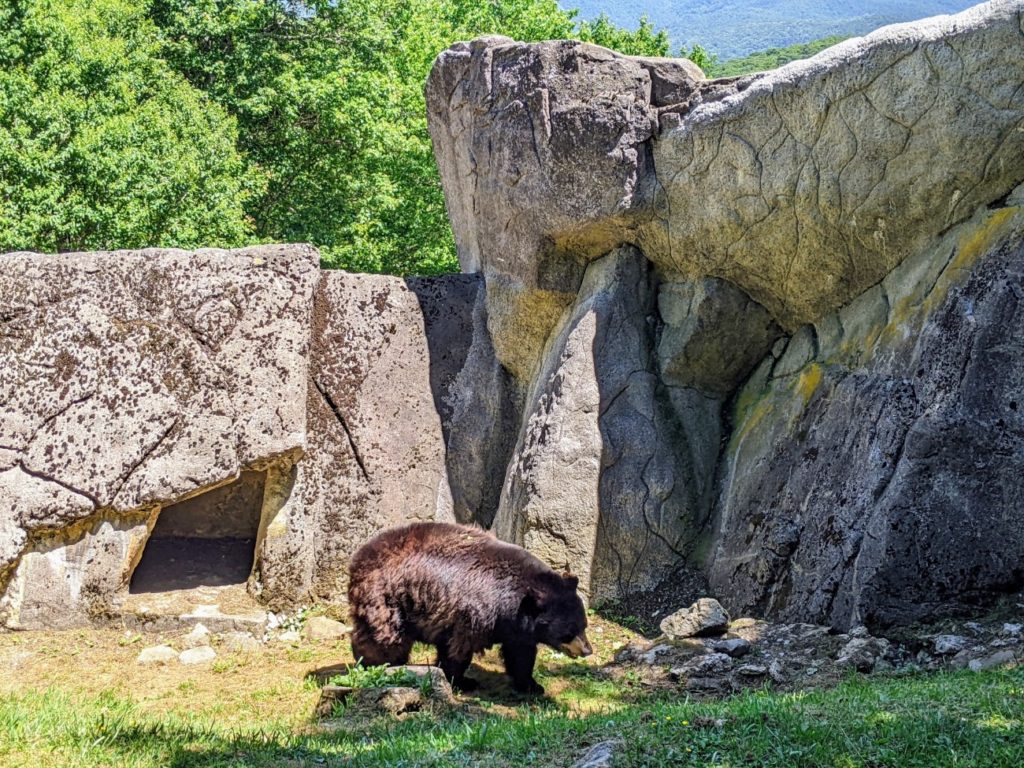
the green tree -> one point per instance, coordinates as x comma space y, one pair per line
702, 58
643, 41
102, 145
761, 61
216, 122
329, 101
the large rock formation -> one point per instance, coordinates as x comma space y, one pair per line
132, 382
646, 237
762, 332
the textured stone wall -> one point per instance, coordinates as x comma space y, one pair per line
132, 381
731, 309
129, 381
874, 472
760, 333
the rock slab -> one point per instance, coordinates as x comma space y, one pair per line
705, 617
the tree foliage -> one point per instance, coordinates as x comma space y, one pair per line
188, 122
102, 144
771, 58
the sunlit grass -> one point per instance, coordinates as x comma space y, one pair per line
959, 719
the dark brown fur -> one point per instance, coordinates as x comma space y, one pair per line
461, 590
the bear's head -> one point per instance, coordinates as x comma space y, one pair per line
555, 613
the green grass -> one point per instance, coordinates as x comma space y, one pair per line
942, 719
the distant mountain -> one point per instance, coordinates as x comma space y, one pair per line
731, 28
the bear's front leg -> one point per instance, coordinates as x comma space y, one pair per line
454, 665
519, 659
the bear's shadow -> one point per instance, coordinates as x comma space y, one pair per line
493, 686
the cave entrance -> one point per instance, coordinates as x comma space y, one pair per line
206, 541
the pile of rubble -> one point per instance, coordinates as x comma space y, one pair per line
703, 650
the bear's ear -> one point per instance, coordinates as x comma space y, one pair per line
529, 606
570, 581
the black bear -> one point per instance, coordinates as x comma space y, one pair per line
461, 590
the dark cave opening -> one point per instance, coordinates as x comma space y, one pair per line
206, 541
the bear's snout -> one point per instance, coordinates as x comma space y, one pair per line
578, 646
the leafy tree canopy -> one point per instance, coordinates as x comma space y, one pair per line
102, 143
770, 58
216, 122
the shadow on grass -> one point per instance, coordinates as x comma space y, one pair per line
922, 721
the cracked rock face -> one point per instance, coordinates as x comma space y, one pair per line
133, 378
817, 179
543, 151
385, 355
880, 482
803, 186
726, 306
598, 483
132, 381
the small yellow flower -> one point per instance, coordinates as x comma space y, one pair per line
686, 722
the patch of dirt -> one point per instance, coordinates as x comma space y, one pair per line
271, 683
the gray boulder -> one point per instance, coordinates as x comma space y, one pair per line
131, 380
997, 659
840, 200
863, 653
543, 154
157, 654
597, 483
869, 453
705, 617
950, 644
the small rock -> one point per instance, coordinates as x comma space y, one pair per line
702, 666
752, 670
291, 636
200, 655
157, 654
993, 660
948, 644
777, 672
631, 651
974, 627
734, 646
859, 631
1002, 642
273, 622
321, 628
705, 617
198, 637
862, 653
400, 701
961, 660
1013, 630
241, 641
651, 656
708, 684
599, 755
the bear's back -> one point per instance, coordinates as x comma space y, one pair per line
426, 564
